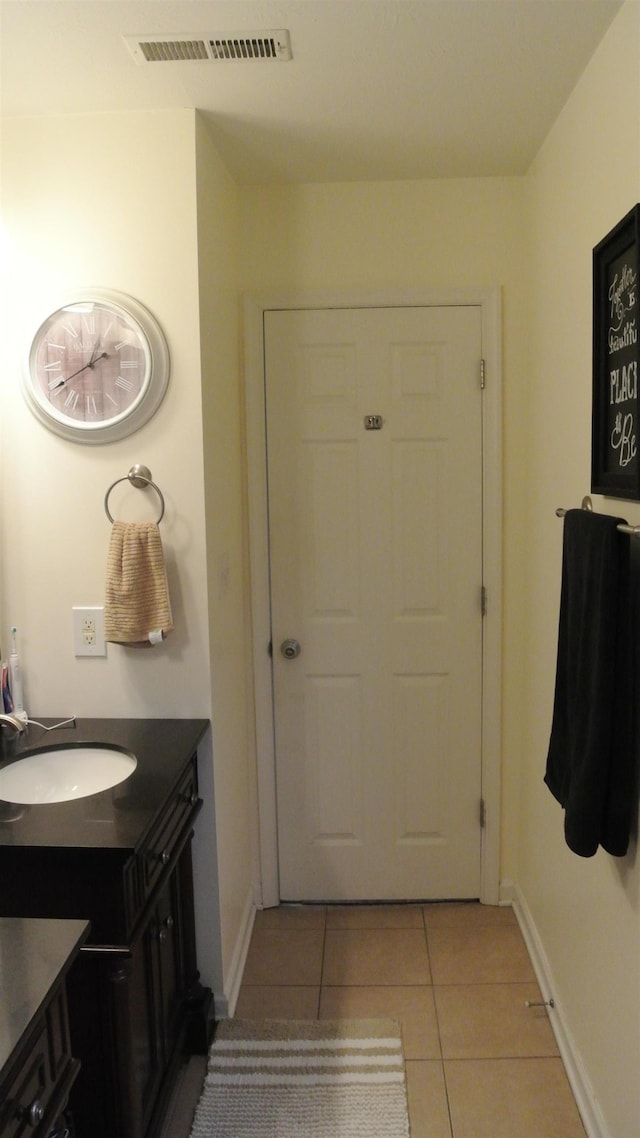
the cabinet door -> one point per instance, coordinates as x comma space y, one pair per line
146, 1066
158, 1005
132, 1012
114, 1025
171, 1009
40, 1076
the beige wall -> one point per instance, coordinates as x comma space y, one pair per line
412, 236
222, 402
93, 201
587, 912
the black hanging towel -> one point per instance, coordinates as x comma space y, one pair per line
590, 760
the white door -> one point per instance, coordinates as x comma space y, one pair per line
374, 441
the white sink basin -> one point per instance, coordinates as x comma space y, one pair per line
58, 774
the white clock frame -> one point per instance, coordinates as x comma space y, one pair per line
158, 367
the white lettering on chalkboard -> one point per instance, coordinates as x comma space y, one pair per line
623, 383
624, 339
623, 439
620, 305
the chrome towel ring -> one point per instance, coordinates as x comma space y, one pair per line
140, 477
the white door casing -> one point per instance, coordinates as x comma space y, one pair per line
255, 308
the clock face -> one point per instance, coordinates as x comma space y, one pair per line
97, 368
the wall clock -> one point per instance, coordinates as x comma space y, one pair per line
97, 368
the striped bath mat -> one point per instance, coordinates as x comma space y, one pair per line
304, 1079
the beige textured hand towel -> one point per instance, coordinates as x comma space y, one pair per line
137, 609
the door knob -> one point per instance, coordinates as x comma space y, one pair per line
290, 649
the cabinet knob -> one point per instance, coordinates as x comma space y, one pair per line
165, 857
165, 927
33, 1114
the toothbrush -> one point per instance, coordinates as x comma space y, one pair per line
15, 676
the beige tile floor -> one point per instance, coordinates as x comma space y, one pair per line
480, 1064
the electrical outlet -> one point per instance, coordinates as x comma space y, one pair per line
88, 631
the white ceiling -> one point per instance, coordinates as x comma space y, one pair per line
376, 89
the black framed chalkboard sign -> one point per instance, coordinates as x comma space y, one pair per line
615, 435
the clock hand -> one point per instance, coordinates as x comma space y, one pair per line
92, 361
94, 356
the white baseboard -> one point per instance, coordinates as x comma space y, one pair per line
592, 1119
225, 1005
507, 892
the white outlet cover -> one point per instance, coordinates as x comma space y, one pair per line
95, 613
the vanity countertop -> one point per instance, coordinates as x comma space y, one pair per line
34, 955
118, 818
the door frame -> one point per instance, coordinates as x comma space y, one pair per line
255, 306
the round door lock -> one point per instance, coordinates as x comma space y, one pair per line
290, 649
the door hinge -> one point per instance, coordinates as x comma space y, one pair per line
483, 814
270, 649
483, 600
483, 375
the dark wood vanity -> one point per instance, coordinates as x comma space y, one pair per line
37, 1066
122, 860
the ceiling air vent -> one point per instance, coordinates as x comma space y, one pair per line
236, 46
